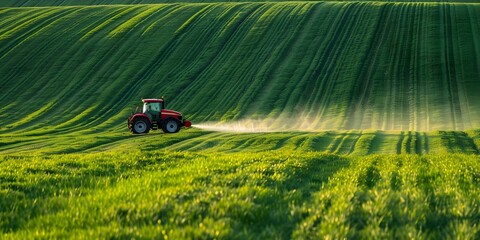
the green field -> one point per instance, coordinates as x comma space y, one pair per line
311, 66
43, 3
312, 120
281, 194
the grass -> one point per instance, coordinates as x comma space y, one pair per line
280, 194
195, 140
308, 65
386, 95
42, 3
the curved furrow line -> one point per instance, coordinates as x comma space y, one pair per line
450, 68
297, 71
273, 75
335, 27
149, 69
255, 142
135, 21
39, 88
425, 117
187, 92
197, 51
141, 17
404, 73
26, 85
226, 38
340, 82
10, 19
248, 81
66, 92
116, 15
21, 21
346, 144
32, 25
288, 26
364, 84
332, 56
309, 58
192, 143
229, 143
389, 78
123, 50
47, 18
355, 142
415, 67
333, 146
223, 65
163, 19
243, 76
332, 97
473, 88
318, 84
462, 48
68, 99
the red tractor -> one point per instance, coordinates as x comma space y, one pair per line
155, 116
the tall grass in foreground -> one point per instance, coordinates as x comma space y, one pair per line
274, 194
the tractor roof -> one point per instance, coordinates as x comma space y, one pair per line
152, 100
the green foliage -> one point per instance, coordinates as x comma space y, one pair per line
279, 194
32, 3
70, 75
326, 65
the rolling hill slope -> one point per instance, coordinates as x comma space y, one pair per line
43, 3
360, 120
313, 66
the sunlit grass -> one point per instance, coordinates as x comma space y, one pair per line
279, 194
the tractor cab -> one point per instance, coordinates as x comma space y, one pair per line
153, 108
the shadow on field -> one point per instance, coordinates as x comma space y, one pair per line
278, 209
34, 187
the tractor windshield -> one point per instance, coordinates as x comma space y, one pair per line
151, 107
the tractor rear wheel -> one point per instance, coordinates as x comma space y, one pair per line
140, 125
171, 126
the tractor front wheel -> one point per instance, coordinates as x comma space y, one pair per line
140, 125
171, 126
